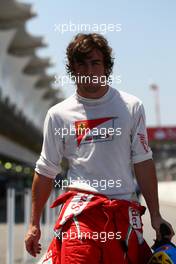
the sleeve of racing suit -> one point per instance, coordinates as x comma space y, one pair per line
51, 155
140, 150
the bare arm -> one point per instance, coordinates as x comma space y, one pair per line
147, 180
146, 177
41, 189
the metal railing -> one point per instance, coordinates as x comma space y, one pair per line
48, 219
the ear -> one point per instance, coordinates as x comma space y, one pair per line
74, 68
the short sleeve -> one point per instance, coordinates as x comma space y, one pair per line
140, 150
51, 155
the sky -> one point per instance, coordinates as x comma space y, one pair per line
144, 49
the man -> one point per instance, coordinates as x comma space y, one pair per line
106, 139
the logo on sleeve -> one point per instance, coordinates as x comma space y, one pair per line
141, 134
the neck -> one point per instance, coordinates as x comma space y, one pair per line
99, 93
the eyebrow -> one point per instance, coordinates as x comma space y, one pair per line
93, 60
97, 60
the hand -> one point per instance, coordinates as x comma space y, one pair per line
156, 221
31, 240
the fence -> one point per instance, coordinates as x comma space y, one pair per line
48, 219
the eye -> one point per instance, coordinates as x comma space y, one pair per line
96, 63
80, 63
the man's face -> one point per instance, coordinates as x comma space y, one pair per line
90, 72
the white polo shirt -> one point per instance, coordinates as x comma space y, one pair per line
101, 138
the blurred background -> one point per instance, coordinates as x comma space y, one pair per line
33, 39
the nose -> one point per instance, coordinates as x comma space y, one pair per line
88, 69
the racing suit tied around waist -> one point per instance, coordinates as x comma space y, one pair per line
123, 215
74, 203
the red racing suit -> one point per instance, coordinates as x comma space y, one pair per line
91, 228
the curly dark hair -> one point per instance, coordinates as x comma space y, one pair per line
83, 44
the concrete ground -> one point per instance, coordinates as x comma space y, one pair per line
20, 254
168, 212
